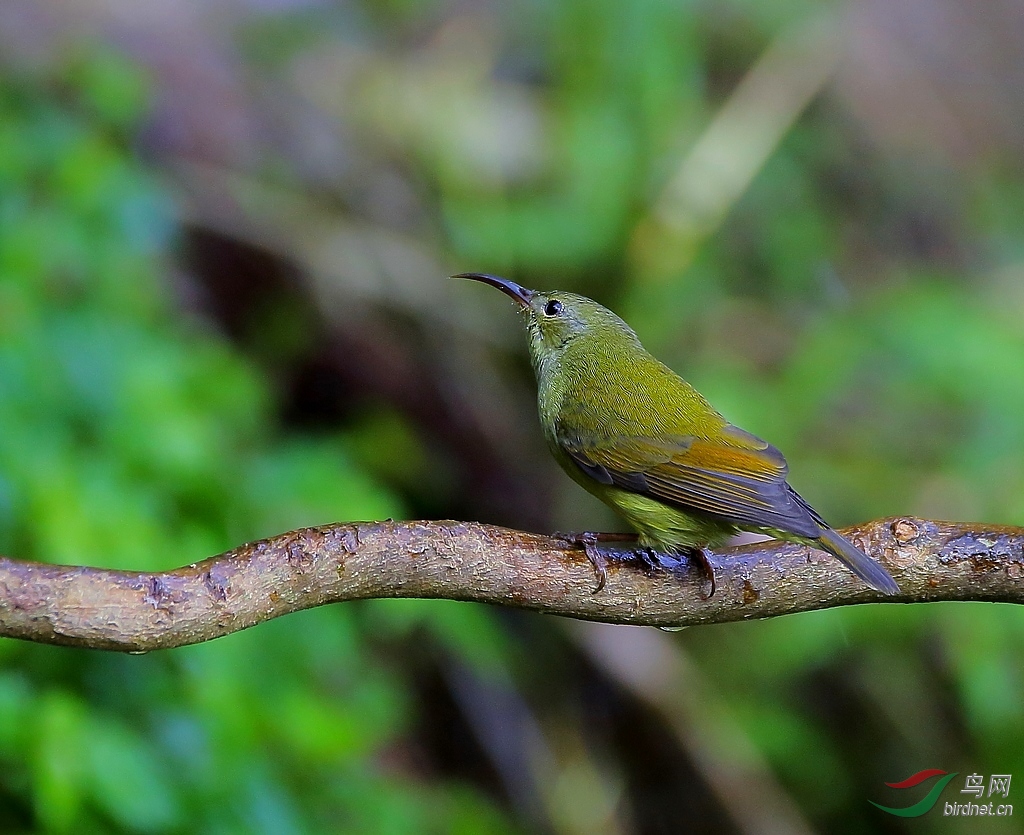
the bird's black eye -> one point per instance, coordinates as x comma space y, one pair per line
553, 308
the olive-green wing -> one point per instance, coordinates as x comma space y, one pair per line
736, 476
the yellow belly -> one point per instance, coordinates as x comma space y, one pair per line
661, 526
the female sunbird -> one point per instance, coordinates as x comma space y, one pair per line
646, 443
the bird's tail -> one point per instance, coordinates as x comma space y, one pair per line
858, 562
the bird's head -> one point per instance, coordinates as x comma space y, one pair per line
554, 318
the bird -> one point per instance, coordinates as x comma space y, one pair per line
633, 433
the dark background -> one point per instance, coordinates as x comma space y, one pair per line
224, 234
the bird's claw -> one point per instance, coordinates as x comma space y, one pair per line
589, 541
597, 559
702, 556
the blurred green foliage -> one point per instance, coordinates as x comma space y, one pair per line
860, 308
133, 437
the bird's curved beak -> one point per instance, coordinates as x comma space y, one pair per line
509, 288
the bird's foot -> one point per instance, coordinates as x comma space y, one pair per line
649, 558
702, 556
590, 541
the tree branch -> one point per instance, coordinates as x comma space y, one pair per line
138, 612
